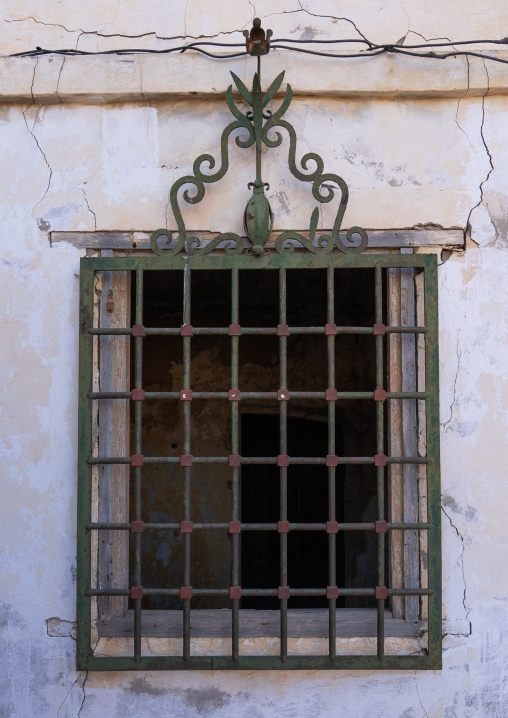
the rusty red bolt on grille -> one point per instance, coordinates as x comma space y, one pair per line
379, 395
136, 592
330, 330
381, 527
380, 460
186, 330
283, 527
137, 527
381, 592
138, 330
186, 460
283, 592
234, 395
332, 592
186, 394
282, 330
186, 592
234, 527
379, 330
283, 460
235, 460
235, 330
235, 592
332, 527
186, 527
137, 460
283, 395
331, 460
137, 395
331, 395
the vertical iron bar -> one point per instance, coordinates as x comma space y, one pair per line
186, 450
380, 470
283, 470
138, 408
235, 498
332, 538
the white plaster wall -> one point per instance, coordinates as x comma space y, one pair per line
110, 166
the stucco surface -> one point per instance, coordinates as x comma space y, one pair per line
110, 166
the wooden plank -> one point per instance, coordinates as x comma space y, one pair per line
395, 486
94, 513
114, 440
378, 239
409, 441
217, 623
422, 442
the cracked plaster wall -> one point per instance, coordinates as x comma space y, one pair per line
112, 24
86, 167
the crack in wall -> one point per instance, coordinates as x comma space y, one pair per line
84, 695
346, 19
254, 13
90, 209
459, 101
114, 16
429, 39
104, 143
331, 17
31, 131
482, 184
40, 22
420, 698
461, 558
68, 693
454, 393
407, 19
99, 33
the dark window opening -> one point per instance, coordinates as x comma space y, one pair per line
307, 503
259, 366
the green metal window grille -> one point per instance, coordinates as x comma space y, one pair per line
142, 266
229, 254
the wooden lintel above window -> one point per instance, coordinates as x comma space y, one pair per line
451, 239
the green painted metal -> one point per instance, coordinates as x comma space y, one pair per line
258, 218
86, 585
83, 606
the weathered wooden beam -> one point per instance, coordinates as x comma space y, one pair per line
208, 623
114, 440
378, 238
409, 441
422, 442
395, 492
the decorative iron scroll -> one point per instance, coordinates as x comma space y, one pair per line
258, 218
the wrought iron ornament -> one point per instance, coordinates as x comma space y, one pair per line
258, 218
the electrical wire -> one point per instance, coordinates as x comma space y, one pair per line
372, 49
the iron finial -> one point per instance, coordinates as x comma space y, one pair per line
257, 41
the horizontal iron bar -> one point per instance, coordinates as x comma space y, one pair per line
293, 460
262, 527
176, 331
260, 592
259, 395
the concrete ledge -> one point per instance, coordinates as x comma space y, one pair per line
111, 78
